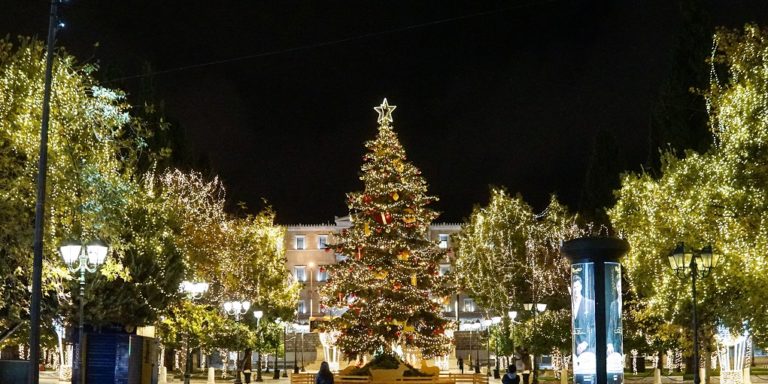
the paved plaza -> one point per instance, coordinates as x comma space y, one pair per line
51, 378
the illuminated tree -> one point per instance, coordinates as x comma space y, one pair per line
252, 265
718, 197
240, 258
93, 147
389, 278
508, 255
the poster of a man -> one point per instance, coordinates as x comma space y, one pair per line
613, 331
583, 312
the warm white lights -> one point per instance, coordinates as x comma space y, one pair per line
87, 258
236, 308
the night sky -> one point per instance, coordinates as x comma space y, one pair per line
276, 97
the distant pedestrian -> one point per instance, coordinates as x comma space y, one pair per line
511, 376
525, 357
324, 375
461, 365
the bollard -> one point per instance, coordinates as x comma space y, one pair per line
163, 376
211, 375
564, 376
657, 376
747, 376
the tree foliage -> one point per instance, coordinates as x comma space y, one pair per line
93, 146
162, 227
718, 197
507, 255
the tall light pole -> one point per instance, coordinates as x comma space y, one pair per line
237, 308
33, 375
82, 259
194, 291
685, 262
258, 315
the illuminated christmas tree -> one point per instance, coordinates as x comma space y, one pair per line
388, 282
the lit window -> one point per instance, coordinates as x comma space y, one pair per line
444, 269
299, 272
300, 242
469, 305
322, 273
322, 241
443, 239
302, 306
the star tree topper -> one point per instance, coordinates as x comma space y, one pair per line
385, 112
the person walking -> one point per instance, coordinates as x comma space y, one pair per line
525, 357
511, 376
461, 365
324, 375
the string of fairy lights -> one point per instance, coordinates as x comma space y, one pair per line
508, 234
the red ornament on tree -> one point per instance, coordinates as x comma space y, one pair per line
367, 199
382, 217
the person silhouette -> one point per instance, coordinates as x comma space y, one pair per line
324, 375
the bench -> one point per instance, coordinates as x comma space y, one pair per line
302, 378
350, 379
468, 378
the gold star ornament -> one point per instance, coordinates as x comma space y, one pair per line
385, 112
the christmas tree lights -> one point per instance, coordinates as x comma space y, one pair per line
389, 282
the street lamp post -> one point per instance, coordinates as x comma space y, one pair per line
311, 295
302, 351
487, 325
512, 316
258, 315
495, 321
685, 262
237, 308
33, 375
279, 322
538, 307
285, 348
194, 291
81, 259
295, 348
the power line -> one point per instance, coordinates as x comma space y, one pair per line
325, 43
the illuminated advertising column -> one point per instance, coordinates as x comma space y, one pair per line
598, 353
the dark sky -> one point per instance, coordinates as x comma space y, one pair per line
507, 93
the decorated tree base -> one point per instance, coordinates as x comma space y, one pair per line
386, 365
